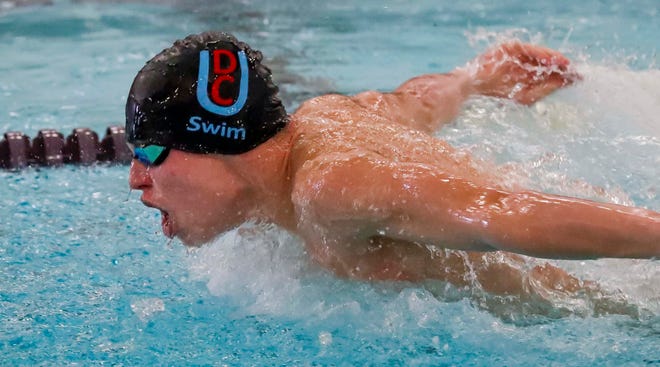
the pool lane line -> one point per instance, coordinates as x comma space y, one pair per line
50, 148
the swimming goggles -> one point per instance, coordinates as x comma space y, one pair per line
150, 155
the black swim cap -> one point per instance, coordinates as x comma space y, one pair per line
208, 93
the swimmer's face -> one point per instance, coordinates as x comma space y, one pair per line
199, 196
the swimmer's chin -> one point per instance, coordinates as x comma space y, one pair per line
191, 237
191, 243
194, 241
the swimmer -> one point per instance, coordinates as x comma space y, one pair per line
361, 179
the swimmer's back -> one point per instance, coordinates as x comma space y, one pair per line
336, 127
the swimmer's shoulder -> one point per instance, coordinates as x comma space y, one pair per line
334, 99
324, 103
337, 108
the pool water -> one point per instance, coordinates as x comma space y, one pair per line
86, 277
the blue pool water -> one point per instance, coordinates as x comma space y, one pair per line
86, 277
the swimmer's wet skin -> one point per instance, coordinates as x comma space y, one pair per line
214, 148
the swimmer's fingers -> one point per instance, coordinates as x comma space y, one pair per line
542, 61
522, 72
529, 54
536, 55
539, 87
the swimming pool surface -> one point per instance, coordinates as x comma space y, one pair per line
86, 277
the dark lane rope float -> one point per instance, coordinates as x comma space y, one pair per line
50, 149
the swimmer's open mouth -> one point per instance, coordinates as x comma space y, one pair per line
165, 220
166, 224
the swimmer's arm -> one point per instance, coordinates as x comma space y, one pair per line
522, 72
413, 203
423, 103
552, 226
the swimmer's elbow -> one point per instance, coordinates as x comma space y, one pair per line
511, 222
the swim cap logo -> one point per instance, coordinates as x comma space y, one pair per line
216, 103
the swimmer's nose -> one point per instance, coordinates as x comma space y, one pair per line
138, 176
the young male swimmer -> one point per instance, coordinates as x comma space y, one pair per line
361, 179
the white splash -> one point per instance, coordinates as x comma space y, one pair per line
146, 308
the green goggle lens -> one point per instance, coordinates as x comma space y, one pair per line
150, 155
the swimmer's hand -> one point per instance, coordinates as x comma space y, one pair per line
519, 71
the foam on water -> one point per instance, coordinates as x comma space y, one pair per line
264, 271
618, 93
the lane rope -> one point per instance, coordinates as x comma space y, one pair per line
49, 148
